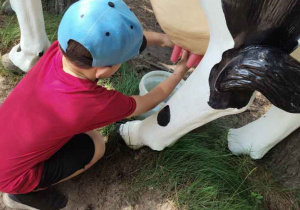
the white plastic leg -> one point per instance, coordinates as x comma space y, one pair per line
188, 107
34, 40
258, 137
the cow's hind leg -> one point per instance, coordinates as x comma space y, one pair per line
258, 137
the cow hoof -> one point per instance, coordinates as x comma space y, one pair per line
127, 132
241, 145
8, 65
6, 8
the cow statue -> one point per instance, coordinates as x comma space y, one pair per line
34, 41
248, 51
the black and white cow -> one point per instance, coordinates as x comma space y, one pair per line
249, 50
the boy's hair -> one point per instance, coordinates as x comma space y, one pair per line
78, 55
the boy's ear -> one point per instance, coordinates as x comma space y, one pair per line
101, 71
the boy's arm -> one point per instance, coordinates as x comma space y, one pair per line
162, 91
158, 39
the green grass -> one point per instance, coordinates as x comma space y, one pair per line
201, 174
9, 33
51, 24
124, 80
198, 172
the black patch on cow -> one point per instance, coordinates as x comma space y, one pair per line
274, 23
269, 70
164, 116
265, 33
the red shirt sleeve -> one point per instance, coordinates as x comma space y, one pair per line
111, 106
119, 106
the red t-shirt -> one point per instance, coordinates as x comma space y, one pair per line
43, 112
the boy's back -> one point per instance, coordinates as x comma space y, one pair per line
55, 101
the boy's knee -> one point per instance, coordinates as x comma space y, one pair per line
99, 146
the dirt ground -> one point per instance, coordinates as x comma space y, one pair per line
107, 185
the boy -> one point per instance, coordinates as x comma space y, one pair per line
48, 120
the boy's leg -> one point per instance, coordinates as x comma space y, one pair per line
99, 149
79, 154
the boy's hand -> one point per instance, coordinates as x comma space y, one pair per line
163, 90
193, 60
167, 42
181, 67
158, 39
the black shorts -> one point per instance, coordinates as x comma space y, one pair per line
73, 156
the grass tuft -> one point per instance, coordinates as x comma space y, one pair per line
202, 173
9, 33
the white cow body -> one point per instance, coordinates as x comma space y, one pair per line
189, 107
258, 137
